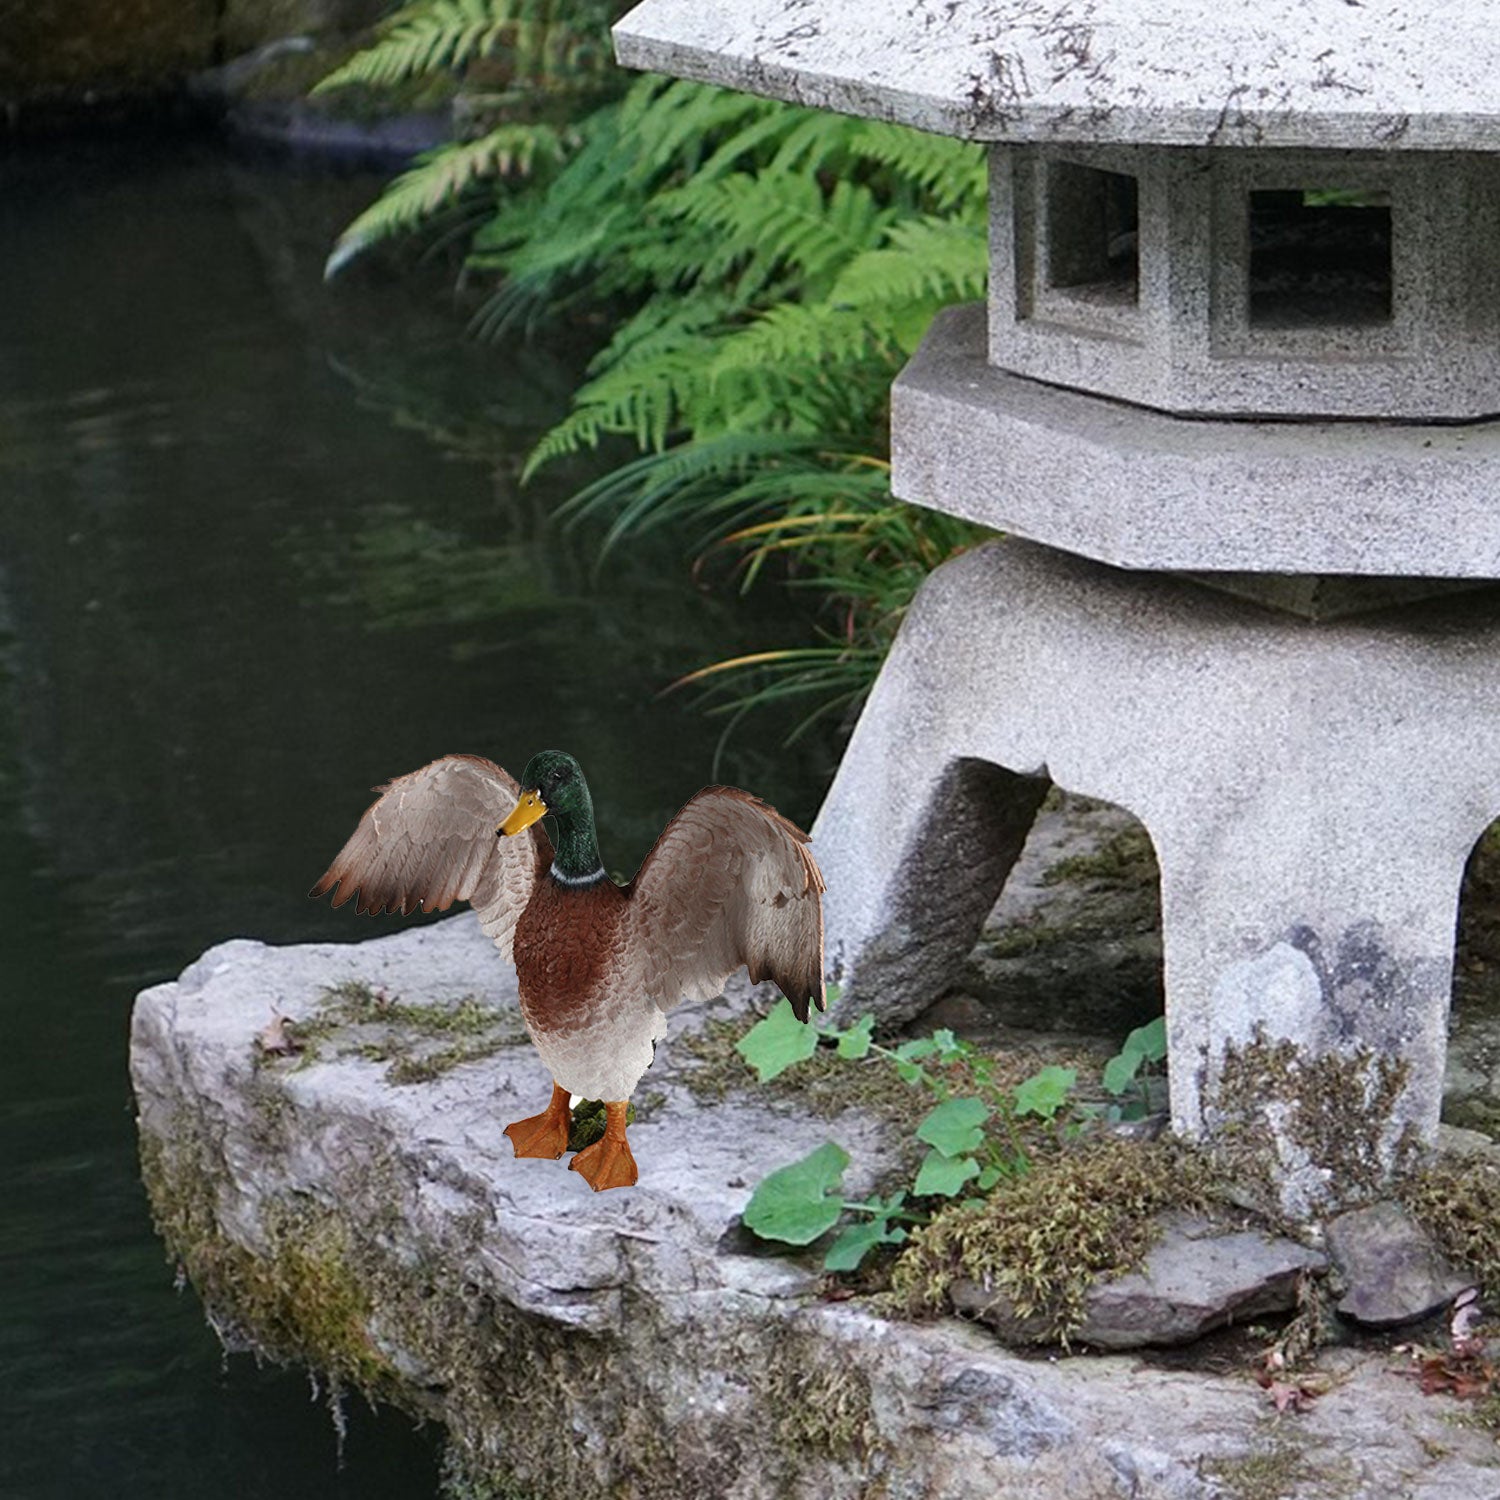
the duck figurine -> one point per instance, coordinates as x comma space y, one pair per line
730, 884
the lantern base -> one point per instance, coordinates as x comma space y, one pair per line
1313, 791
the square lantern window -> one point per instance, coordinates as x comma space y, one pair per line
1319, 258
1077, 255
1093, 227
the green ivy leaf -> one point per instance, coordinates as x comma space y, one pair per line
797, 1203
855, 1042
851, 1247
909, 1072
954, 1127
989, 1177
1120, 1070
1149, 1040
772, 1045
918, 1046
942, 1176
1045, 1092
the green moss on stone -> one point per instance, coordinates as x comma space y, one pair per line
1458, 1202
820, 1404
1043, 1239
1126, 859
356, 1019
300, 1300
1333, 1108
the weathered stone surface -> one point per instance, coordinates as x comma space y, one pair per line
1196, 1278
1141, 489
609, 1343
1073, 945
1311, 819
1283, 73
1392, 1270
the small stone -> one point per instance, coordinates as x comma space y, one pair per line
1195, 1279
1393, 1271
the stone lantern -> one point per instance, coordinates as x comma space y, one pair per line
1235, 389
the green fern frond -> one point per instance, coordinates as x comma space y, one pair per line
539, 39
953, 174
928, 261
800, 336
440, 178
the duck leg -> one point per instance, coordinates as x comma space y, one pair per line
545, 1134
608, 1162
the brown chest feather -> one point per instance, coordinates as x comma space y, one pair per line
567, 941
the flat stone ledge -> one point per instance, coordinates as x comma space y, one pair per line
690, 1369
1139, 489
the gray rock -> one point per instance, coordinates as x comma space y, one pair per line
1195, 1279
612, 1343
1392, 1271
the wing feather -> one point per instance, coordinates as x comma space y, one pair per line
729, 884
430, 839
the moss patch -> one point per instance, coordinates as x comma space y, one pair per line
1458, 1202
825, 1085
1273, 1471
419, 1041
820, 1405
300, 1301
1336, 1109
1042, 1240
1126, 860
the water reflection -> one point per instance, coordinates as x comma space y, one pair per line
241, 581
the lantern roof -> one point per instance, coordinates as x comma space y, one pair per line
1361, 74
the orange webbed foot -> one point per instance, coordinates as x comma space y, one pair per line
608, 1162
546, 1134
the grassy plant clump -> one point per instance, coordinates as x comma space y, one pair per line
1458, 1202
1044, 1238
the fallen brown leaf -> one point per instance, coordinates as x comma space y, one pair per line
276, 1037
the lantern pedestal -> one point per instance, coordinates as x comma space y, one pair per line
1313, 791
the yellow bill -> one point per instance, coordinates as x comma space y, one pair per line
524, 813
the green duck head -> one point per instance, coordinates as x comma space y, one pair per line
553, 783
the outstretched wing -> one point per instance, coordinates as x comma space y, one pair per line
432, 839
730, 883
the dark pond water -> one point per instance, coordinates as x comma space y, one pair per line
259, 549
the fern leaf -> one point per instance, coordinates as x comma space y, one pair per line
543, 39
953, 174
923, 260
440, 178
